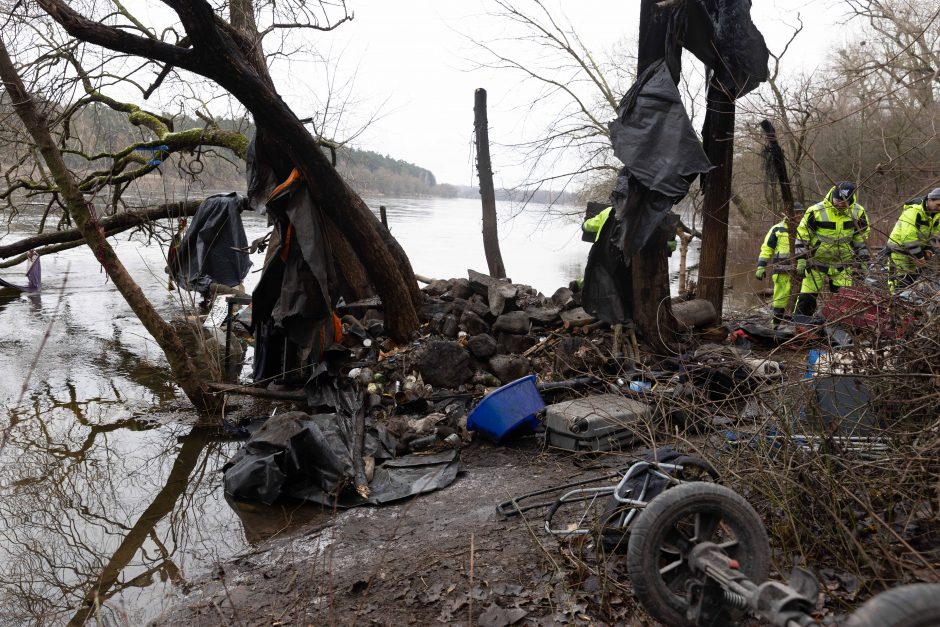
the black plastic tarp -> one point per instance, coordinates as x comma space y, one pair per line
207, 254
662, 155
654, 138
307, 457
723, 36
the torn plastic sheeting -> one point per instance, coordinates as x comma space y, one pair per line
654, 138
205, 255
639, 212
607, 290
292, 300
723, 37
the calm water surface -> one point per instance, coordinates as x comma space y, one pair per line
103, 485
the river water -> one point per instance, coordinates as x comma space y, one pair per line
103, 486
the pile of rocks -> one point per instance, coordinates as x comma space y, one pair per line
484, 329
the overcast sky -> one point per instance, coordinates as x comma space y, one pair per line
412, 62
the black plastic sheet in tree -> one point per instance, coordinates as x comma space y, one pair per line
207, 252
292, 303
654, 138
723, 37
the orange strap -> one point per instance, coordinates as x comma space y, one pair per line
280, 189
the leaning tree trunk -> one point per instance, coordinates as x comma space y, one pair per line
184, 371
111, 226
494, 260
715, 205
786, 194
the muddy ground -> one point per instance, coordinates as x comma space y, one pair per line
441, 558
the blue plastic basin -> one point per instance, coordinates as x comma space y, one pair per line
508, 409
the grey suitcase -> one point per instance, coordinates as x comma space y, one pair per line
605, 422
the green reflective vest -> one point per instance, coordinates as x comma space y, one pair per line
595, 224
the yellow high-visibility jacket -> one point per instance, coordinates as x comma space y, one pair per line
776, 248
829, 237
595, 224
913, 234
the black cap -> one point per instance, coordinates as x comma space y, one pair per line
844, 190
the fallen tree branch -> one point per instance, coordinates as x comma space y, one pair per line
112, 225
245, 390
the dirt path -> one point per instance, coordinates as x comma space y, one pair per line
445, 557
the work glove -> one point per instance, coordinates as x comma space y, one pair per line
801, 267
761, 272
671, 246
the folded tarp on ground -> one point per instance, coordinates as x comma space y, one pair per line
207, 254
306, 457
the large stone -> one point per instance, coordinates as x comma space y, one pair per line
501, 298
445, 364
513, 322
543, 315
473, 324
428, 310
516, 344
478, 305
509, 367
480, 283
563, 297
577, 317
449, 327
437, 288
482, 346
461, 289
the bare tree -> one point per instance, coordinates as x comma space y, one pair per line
581, 87
229, 53
191, 380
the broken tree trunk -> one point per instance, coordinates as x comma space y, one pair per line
786, 194
184, 371
715, 207
494, 260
